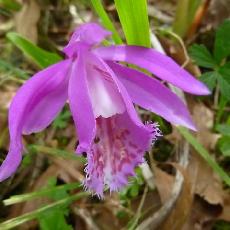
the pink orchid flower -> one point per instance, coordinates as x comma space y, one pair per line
101, 92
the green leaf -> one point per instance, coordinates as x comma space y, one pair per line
134, 20
224, 87
10, 5
53, 219
224, 71
225, 148
107, 23
134, 190
41, 57
205, 154
224, 145
221, 107
222, 41
224, 129
202, 56
210, 79
61, 121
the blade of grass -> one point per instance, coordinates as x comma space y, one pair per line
40, 56
107, 23
43, 192
6, 66
12, 223
204, 154
185, 12
134, 20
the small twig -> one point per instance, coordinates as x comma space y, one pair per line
85, 215
68, 166
118, 205
181, 42
147, 174
155, 13
138, 214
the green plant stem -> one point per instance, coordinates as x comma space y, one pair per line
56, 152
9, 224
43, 192
185, 13
204, 154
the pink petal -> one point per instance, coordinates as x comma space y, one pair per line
80, 104
105, 97
49, 96
12, 161
89, 34
104, 158
122, 90
31, 111
119, 148
152, 95
155, 62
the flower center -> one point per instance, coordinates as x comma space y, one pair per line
105, 97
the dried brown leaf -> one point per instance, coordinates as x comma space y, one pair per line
164, 183
211, 200
27, 18
6, 95
181, 211
208, 184
204, 119
225, 215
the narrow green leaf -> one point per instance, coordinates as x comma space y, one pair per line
205, 154
185, 12
6, 66
12, 223
107, 23
134, 20
41, 57
56, 152
43, 192
201, 55
222, 41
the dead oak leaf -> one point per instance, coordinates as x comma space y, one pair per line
27, 18
203, 117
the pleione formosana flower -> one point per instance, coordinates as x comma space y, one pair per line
101, 93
